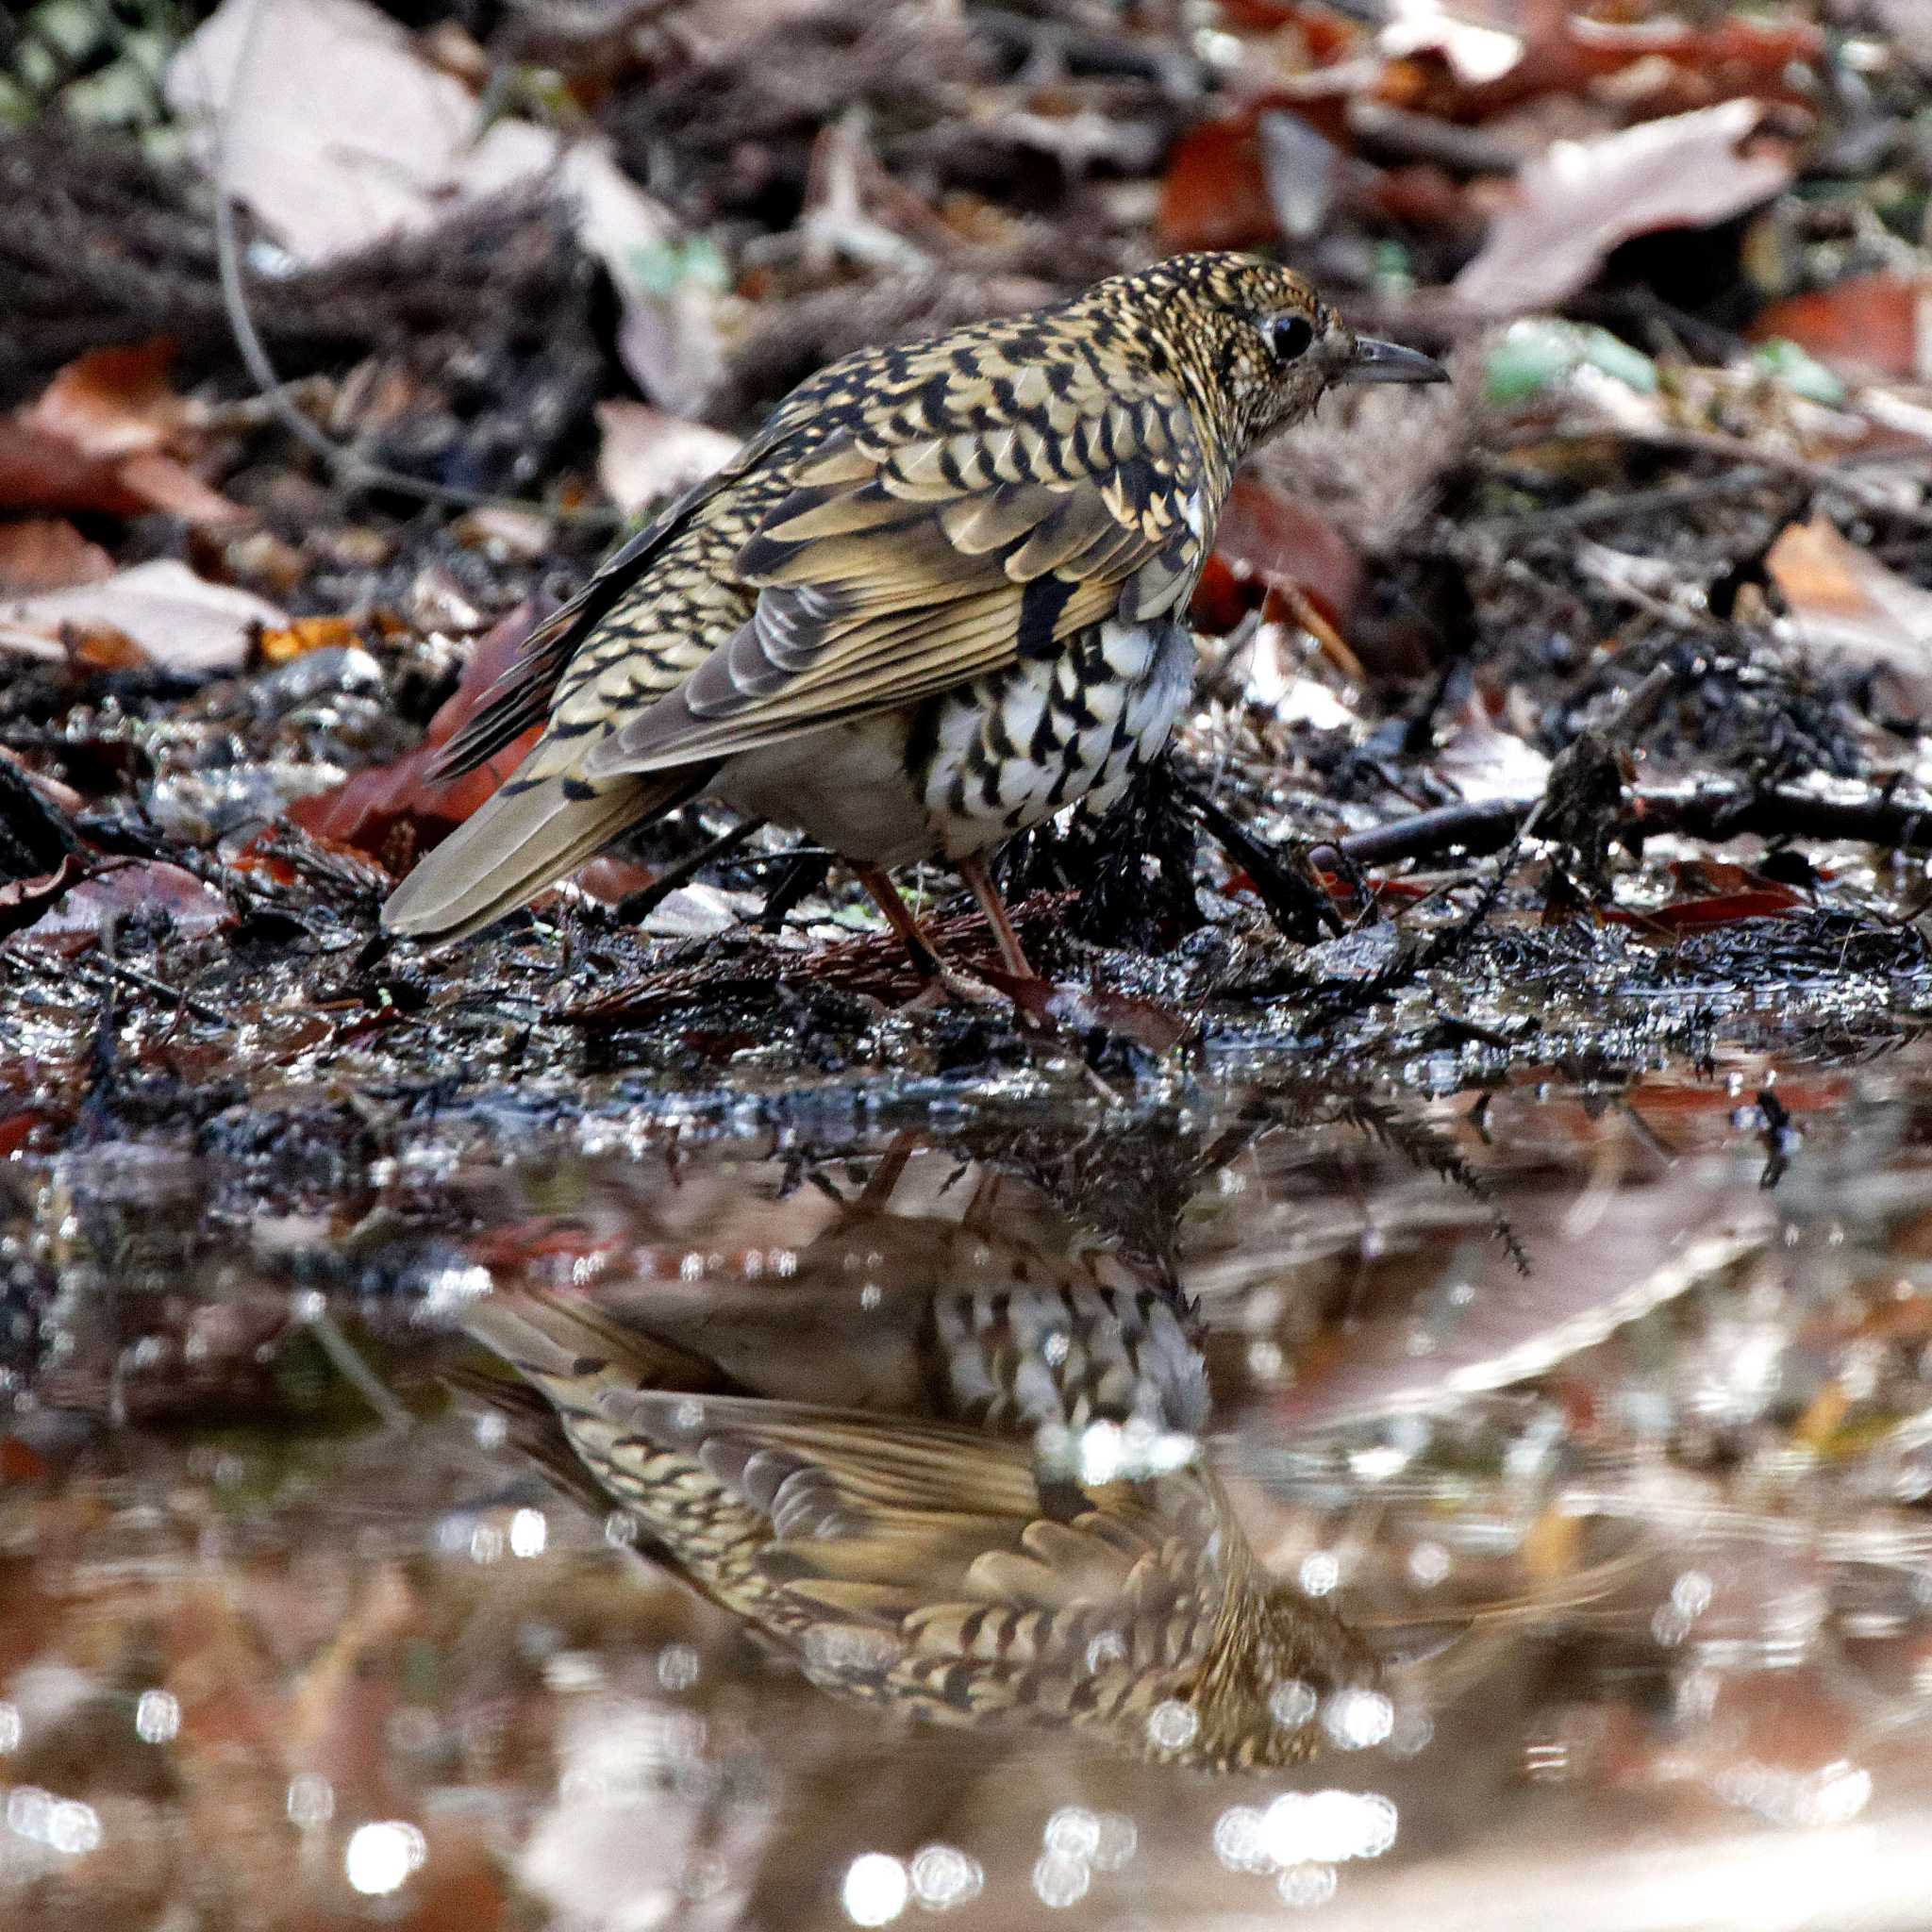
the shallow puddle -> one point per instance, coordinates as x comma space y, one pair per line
1484, 1511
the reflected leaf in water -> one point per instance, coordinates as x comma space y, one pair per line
1016, 1522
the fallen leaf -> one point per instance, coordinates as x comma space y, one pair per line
112, 403
1594, 1272
1845, 602
88, 909
1656, 67
48, 554
397, 810
21, 900
1266, 538
304, 635
327, 121
1877, 325
1483, 761
1215, 192
177, 620
333, 128
1712, 892
1580, 198
647, 456
43, 472
162, 483
107, 434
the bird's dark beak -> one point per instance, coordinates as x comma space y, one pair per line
1379, 361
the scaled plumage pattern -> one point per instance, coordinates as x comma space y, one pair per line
938, 597
984, 1501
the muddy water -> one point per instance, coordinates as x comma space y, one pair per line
1474, 1511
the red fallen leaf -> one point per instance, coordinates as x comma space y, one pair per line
1343, 890
1215, 192
613, 880
1221, 599
1267, 538
1878, 325
1725, 909
48, 554
1704, 875
1340, 890
1568, 54
42, 472
1717, 893
19, 1463
397, 810
107, 433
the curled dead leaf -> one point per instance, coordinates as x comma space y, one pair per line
1579, 199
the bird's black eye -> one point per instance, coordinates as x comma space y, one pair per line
1289, 336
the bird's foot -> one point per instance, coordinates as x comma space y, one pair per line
1143, 1023
948, 983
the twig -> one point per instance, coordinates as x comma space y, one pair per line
1841, 476
1661, 501
355, 1370
1714, 811
352, 471
94, 973
638, 906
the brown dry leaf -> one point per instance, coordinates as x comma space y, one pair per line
332, 126
179, 621
112, 403
86, 910
1843, 601
1581, 198
107, 434
647, 454
48, 554
1880, 325
304, 635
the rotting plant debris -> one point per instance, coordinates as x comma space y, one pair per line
1637, 524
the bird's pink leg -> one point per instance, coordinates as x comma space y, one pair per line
1015, 959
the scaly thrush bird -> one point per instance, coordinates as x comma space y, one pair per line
938, 596
981, 1495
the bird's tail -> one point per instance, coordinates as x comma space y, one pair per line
526, 837
573, 1350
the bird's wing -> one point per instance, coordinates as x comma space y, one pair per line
521, 698
978, 500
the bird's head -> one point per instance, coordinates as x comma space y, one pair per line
1262, 346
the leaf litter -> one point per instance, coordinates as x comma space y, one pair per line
1537, 884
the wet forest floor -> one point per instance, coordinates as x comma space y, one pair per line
1504, 1005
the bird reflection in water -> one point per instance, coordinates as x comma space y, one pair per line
1007, 1516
